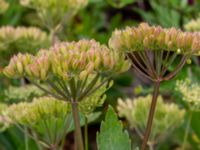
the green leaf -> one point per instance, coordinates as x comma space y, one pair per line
120, 3
112, 136
195, 123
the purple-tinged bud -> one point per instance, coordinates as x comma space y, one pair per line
126, 65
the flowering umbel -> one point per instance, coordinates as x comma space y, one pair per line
145, 37
73, 70
54, 12
68, 60
21, 39
41, 115
190, 92
193, 25
16, 94
167, 116
152, 51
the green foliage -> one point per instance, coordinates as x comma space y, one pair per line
112, 136
120, 3
168, 13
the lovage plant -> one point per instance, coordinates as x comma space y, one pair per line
73, 70
153, 50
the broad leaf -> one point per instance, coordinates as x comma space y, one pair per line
112, 136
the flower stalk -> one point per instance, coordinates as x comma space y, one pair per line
78, 133
152, 50
151, 114
187, 130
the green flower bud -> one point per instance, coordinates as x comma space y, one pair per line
9, 72
190, 93
19, 67
167, 116
193, 25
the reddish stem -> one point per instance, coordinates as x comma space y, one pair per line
151, 114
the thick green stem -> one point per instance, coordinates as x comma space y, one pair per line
86, 133
151, 114
78, 134
187, 131
26, 139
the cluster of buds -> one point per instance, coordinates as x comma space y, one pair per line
145, 37
136, 112
95, 100
68, 60
190, 93
18, 65
41, 115
14, 40
55, 10
193, 25
4, 120
34, 113
3, 6
25, 93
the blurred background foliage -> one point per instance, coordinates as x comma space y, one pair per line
97, 21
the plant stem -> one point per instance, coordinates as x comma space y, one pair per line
86, 133
187, 130
26, 139
78, 134
151, 146
151, 114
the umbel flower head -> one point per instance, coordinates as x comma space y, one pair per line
42, 115
145, 37
167, 116
74, 62
54, 12
20, 39
193, 25
25, 93
190, 93
3, 6
153, 49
